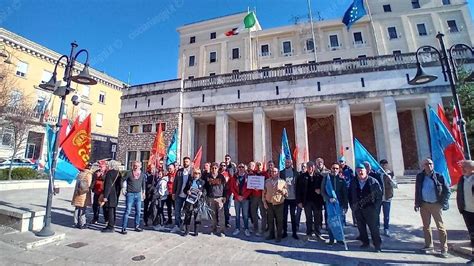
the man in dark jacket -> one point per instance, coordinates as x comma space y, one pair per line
365, 197
431, 197
112, 187
179, 196
290, 175
465, 199
308, 196
339, 191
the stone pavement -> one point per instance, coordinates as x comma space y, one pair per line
90, 246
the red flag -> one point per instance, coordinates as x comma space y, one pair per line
77, 145
443, 117
197, 158
158, 150
341, 150
295, 153
454, 156
305, 155
456, 129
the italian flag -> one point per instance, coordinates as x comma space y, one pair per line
248, 22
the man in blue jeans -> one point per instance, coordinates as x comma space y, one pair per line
134, 191
178, 195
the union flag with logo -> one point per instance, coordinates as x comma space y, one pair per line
77, 145
158, 150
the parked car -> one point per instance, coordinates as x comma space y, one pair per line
17, 162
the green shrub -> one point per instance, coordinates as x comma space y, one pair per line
21, 173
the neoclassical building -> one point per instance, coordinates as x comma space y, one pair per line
236, 94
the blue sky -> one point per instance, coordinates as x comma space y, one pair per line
139, 37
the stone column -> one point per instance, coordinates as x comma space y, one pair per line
393, 142
421, 133
268, 139
224, 57
232, 141
301, 133
379, 136
187, 136
259, 135
202, 140
344, 131
222, 134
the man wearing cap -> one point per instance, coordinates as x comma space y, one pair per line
365, 198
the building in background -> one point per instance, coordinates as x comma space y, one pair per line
236, 94
33, 64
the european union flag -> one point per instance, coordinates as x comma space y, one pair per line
355, 12
285, 151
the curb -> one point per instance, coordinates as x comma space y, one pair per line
32, 184
464, 249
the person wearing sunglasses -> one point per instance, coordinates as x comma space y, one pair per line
337, 194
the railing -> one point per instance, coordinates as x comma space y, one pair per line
329, 67
33, 115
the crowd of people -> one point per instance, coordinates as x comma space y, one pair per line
205, 195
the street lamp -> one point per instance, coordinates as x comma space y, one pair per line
449, 71
62, 92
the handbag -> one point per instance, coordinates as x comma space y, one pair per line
204, 212
101, 197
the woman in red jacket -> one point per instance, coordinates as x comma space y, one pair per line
238, 187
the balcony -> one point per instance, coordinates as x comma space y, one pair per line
322, 69
32, 115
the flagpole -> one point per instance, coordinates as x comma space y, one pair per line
250, 45
371, 21
312, 31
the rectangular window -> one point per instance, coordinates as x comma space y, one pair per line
387, 8
415, 4
358, 38
392, 33
162, 125
333, 41
7, 136
82, 114
421, 29
265, 50
131, 157
452, 26
192, 39
144, 157
287, 47
212, 57
46, 76
398, 55
85, 91
21, 69
310, 45
134, 129
235, 73
213, 35
102, 96
192, 60
30, 150
99, 119
235, 53
15, 98
146, 128
446, 2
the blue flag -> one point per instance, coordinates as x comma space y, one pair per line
334, 212
441, 138
64, 169
171, 153
355, 12
285, 151
361, 155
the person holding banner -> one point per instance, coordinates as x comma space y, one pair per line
335, 196
256, 203
365, 197
194, 189
274, 195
